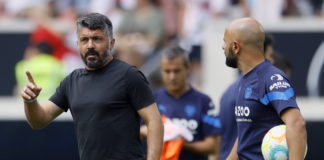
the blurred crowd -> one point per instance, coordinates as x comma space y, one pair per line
143, 27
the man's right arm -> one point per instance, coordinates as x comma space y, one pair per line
38, 116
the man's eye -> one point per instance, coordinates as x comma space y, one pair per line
83, 39
177, 71
97, 38
166, 71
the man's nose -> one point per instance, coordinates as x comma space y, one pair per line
172, 75
90, 44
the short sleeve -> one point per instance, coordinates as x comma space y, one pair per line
211, 124
138, 89
279, 93
59, 97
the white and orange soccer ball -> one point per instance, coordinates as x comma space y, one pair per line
274, 144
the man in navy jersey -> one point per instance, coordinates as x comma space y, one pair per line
107, 98
227, 102
265, 96
186, 106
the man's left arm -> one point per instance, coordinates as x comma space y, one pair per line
295, 133
205, 147
152, 119
210, 128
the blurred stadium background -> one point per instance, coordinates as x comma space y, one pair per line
297, 27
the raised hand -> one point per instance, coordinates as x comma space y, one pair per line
30, 92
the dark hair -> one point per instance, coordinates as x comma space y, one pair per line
95, 21
268, 41
174, 51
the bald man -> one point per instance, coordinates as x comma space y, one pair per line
265, 98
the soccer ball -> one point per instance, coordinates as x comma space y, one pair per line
274, 144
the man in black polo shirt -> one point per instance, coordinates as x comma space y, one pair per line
106, 99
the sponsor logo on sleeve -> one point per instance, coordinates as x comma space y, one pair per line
278, 85
277, 77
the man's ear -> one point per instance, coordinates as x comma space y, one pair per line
236, 47
112, 43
